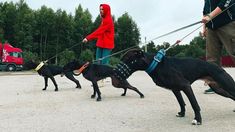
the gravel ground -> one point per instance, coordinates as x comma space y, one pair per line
25, 107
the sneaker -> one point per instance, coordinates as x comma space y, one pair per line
209, 91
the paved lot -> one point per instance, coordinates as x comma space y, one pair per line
25, 107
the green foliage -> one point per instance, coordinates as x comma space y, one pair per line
200, 41
44, 33
66, 56
28, 55
114, 61
194, 51
127, 33
177, 51
82, 24
8, 13
181, 54
87, 55
151, 48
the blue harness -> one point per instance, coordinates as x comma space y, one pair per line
157, 59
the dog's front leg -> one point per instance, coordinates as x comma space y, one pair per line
180, 99
189, 93
96, 90
46, 83
54, 82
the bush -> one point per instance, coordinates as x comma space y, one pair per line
28, 55
87, 55
66, 57
114, 61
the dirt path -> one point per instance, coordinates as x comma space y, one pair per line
25, 107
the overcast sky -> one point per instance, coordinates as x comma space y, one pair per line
153, 17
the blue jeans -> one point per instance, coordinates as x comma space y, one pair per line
102, 52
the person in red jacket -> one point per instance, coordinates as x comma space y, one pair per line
104, 35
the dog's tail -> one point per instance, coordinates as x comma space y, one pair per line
221, 82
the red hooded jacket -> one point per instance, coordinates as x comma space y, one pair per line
105, 32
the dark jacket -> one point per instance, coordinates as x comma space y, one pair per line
224, 18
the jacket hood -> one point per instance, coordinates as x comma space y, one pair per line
107, 10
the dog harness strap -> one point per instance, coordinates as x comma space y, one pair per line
80, 70
122, 71
157, 58
39, 66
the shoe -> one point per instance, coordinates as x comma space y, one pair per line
209, 91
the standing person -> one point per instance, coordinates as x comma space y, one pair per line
219, 30
104, 35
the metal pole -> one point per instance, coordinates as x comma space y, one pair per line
146, 46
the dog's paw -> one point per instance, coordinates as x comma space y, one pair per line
141, 96
195, 122
56, 90
180, 114
44, 89
98, 99
79, 87
123, 94
92, 96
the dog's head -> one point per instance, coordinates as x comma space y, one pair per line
29, 65
135, 58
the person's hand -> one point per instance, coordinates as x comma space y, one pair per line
84, 40
206, 18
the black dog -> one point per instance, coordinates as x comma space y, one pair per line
49, 71
178, 74
96, 72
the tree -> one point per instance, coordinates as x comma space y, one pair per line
24, 26
1, 23
178, 51
151, 47
66, 57
82, 26
28, 55
194, 51
127, 33
87, 55
200, 41
8, 20
63, 32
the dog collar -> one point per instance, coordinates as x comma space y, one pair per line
39, 66
157, 59
80, 70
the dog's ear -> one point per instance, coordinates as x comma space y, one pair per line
139, 53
